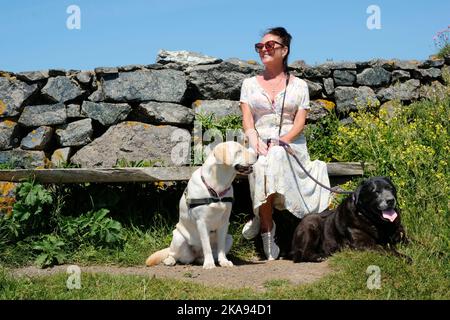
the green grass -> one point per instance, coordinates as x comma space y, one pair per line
426, 278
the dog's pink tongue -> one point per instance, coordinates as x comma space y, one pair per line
390, 214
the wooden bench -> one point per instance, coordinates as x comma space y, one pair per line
338, 172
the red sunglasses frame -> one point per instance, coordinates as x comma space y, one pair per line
269, 45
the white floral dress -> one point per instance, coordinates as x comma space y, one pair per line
278, 173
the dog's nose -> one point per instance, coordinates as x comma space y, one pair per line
391, 203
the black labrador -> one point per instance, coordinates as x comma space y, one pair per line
369, 218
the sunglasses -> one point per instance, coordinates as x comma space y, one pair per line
269, 45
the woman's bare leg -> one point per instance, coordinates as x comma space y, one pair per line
265, 214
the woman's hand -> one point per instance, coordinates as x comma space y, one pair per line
255, 142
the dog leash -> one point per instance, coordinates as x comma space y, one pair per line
289, 150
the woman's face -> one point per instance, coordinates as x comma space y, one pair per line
274, 56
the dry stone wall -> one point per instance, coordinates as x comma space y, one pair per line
96, 118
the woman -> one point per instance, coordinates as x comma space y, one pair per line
277, 180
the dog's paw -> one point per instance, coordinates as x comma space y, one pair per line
169, 261
225, 263
209, 264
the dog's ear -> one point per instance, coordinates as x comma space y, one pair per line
358, 191
222, 154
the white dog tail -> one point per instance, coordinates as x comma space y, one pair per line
157, 257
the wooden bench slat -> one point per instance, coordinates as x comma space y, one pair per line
105, 175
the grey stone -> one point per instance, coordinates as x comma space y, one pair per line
298, 65
320, 71
362, 64
219, 108
406, 64
432, 63
101, 71
106, 113
185, 58
74, 111
61, 89
9, 134
18, 158
61, 156
344, 77
318, 109
405, 91
136, 141
434, 91
38, 139
13, 93
374, 77
427, 74
164, 112
84, 77
223, 80
33, 76
389, 109
78, 133
399, 75
338, 65
328, 85
56, 72
43, 115
314, 88
97, 96
131, 67
144, 85
383, 63
351, 99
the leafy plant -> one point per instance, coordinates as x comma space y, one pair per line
31, 211
321, 136
51, 250
229, 122
93, 227
124, 163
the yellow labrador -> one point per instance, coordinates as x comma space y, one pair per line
201, 233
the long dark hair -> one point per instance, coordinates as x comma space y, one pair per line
285, 39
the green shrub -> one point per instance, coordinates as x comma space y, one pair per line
31, 211
411, 147
321, 136
94, 228
50, 250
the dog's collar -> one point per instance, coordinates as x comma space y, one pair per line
213, 193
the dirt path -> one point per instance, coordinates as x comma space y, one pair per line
251, 274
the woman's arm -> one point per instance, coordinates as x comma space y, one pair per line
297, 128
249, 129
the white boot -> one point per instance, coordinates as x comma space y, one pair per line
251, 228
270, 248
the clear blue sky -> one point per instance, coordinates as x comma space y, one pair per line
34, 35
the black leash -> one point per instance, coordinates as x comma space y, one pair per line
289, 150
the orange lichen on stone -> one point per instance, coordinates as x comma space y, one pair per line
197, 103
7, 197
252, 62
2, 107
329, 105
9, 123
